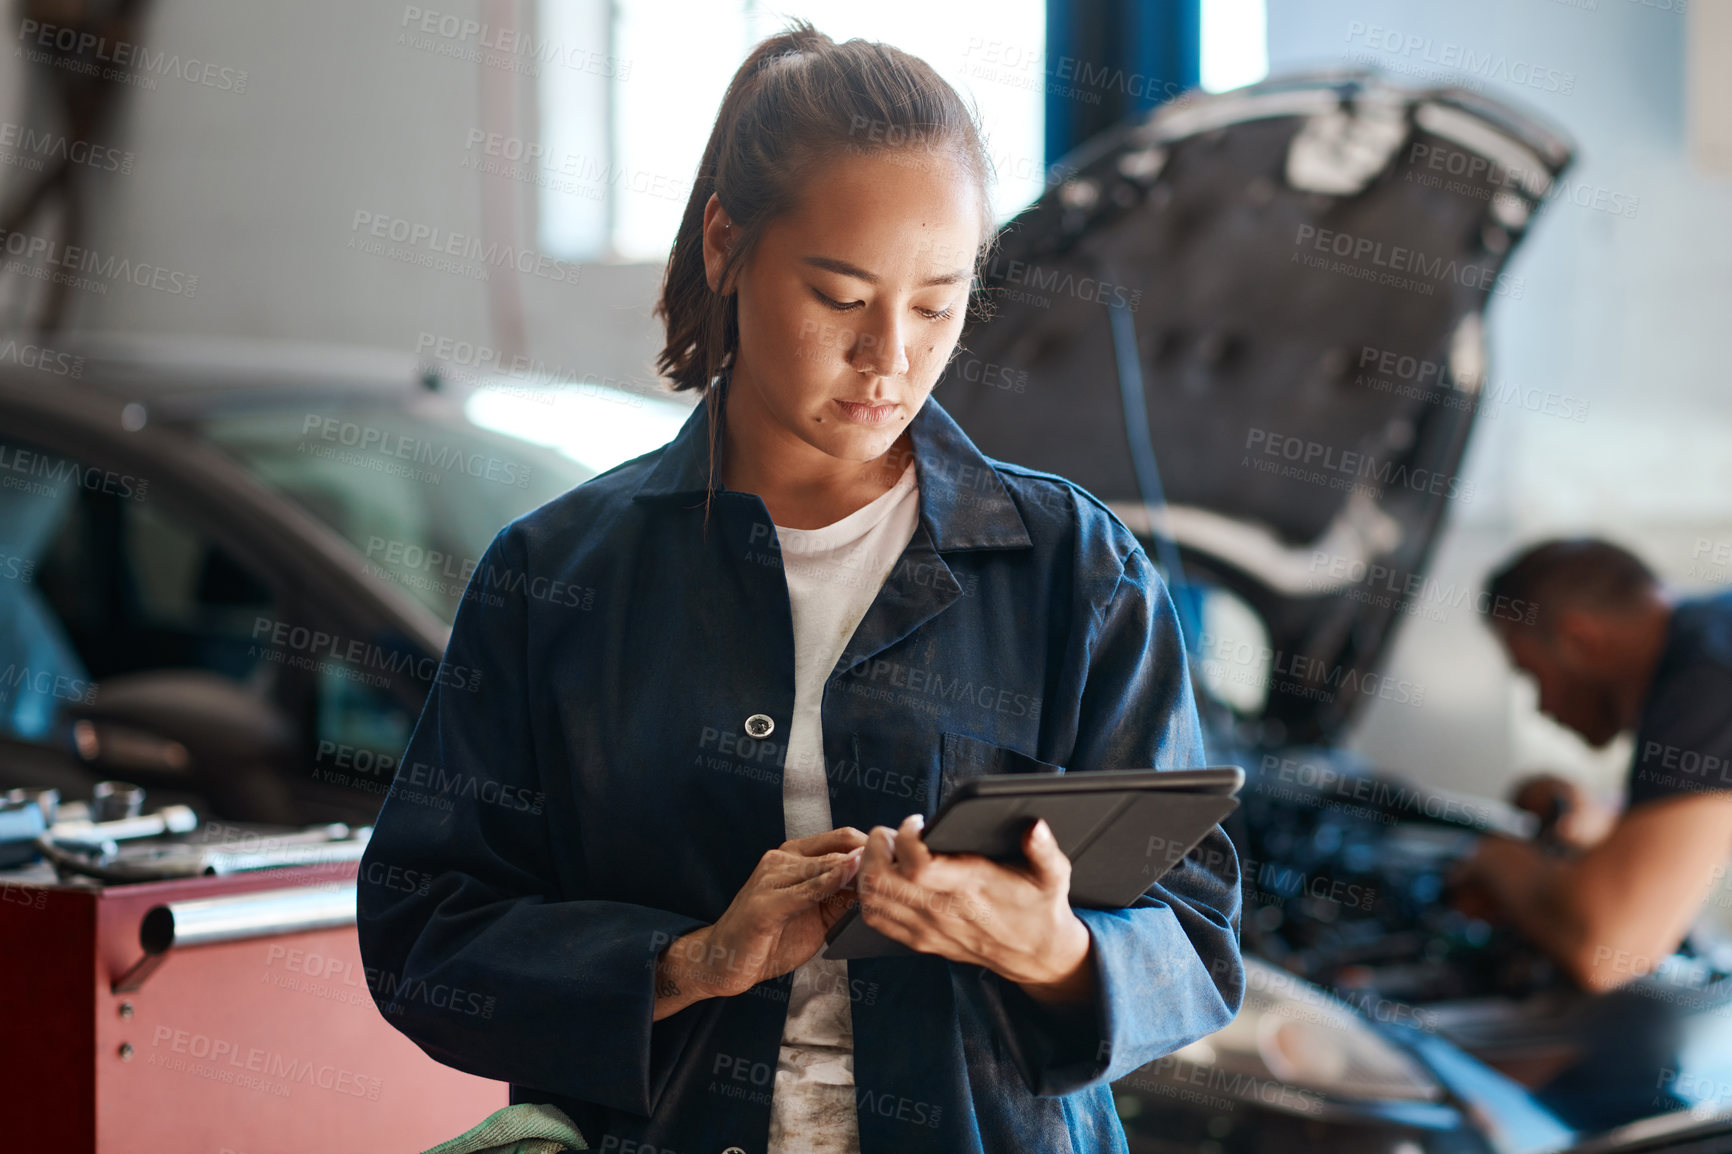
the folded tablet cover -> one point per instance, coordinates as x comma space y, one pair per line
1120, 840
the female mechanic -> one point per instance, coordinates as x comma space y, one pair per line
804, 621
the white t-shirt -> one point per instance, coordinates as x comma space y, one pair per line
833, 575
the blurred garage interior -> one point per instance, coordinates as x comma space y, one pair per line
304, 303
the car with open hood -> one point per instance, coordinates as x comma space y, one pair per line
1253, 323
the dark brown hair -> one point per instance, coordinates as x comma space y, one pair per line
799, 99
1569, 573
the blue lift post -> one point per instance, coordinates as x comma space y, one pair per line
1109, 61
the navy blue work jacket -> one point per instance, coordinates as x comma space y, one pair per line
581, 790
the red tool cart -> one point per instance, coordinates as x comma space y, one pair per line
213, 1015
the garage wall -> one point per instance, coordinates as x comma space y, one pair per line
346, 110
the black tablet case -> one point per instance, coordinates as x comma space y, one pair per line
1122, 830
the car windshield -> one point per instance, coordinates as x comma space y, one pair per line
421, 488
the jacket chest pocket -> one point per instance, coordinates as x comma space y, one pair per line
966, 757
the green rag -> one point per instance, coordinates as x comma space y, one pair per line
526, 1128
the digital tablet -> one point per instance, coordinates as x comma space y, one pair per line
1121, 829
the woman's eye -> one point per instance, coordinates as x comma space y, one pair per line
943, 314
838, 305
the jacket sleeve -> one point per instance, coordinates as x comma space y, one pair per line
1167, 969
469, 946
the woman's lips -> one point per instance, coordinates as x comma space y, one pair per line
867, 414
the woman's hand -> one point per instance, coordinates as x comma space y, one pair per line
1014, 920
774, 924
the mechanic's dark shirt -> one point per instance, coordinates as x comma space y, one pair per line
1684, 739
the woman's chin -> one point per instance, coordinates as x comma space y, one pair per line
853, 443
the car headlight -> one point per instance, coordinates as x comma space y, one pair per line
1290, 1032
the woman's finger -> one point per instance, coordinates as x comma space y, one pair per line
822, 884
830, 841
886, 909
1048, 867
880, 852
912, 856
792, 870
956, 871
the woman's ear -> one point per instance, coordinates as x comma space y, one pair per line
718, 240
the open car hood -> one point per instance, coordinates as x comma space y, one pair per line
1284, 285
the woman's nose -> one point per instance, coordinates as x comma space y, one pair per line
880, 350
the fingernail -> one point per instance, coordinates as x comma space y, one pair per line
919, 819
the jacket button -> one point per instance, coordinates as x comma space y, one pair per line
760, 724
733, 1150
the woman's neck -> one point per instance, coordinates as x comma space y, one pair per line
802, 486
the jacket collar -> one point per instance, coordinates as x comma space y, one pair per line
963, 502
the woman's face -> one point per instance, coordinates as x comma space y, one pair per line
850, 306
